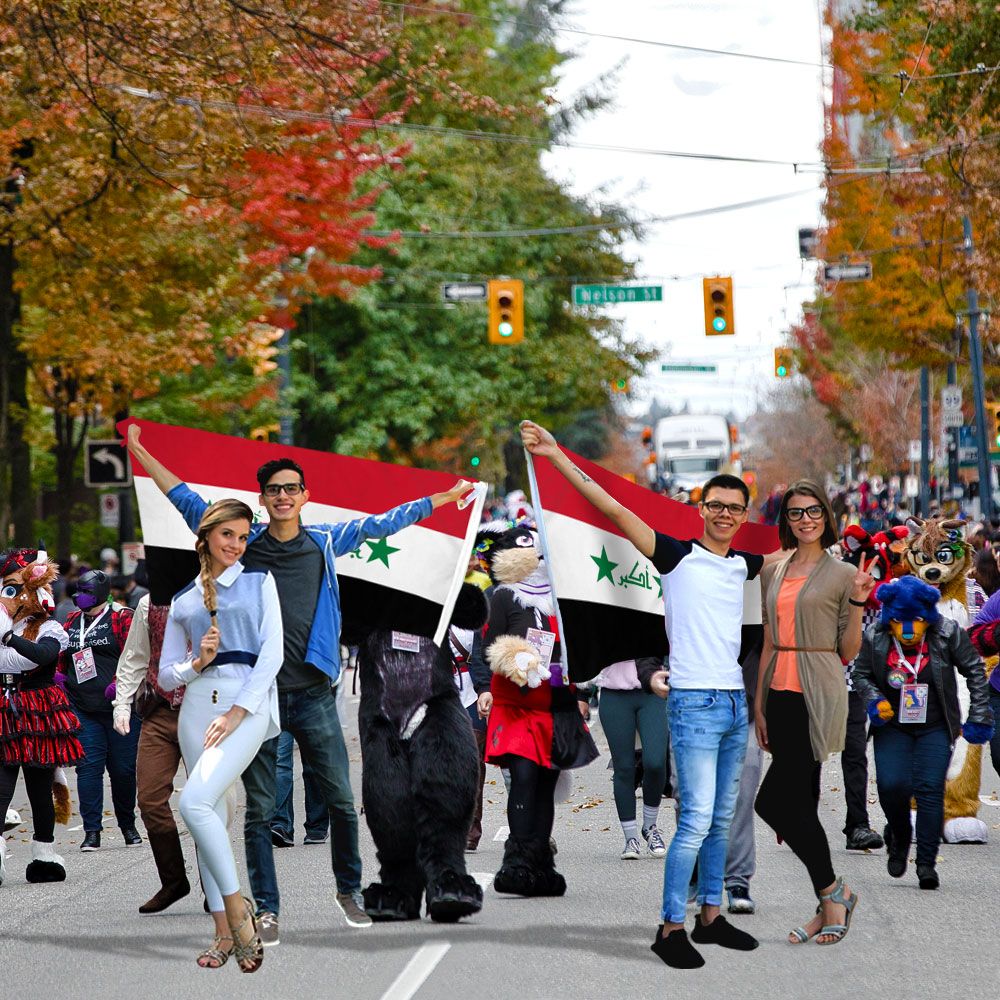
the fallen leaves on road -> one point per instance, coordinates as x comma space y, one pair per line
589, 804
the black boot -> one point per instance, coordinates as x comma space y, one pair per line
896, 852
170, 866
928, 877
387, 902
517, 874
548, 882
452, 896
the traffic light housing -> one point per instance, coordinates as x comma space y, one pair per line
264, 432
993, 425
620, 384
718, 295
782, 362
506, 304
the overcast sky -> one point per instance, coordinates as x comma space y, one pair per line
666, 99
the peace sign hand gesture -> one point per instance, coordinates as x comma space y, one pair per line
864, 582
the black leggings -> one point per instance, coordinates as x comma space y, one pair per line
38, 784
788, 800
531, 807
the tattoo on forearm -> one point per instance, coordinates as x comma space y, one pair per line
583, 475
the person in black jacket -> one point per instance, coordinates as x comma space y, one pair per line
906, 674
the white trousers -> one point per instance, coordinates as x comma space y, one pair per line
211, 773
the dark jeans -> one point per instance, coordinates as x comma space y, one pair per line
479, 728
854, 762
106, 750
311, 717
913, 765
317, 817
788, 800
995, 742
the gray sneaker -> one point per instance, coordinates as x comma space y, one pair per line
740, 900
654, 842
267, 927
352, 905
632, 850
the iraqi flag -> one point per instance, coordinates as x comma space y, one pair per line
609, 595
408, 581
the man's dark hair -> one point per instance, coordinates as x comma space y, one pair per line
268, 469
724, 481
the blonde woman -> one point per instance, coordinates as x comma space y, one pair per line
224, 643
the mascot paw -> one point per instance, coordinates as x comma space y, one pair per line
45, 864
452, 897
880, 712
977, 732
512, 657
386, 902
966, 830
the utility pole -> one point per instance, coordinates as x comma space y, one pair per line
953, 483
978, 385
925, 440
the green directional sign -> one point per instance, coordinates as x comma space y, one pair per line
710, 369
599, 295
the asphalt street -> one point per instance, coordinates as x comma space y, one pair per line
85, 939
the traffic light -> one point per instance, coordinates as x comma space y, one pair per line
263, 347
718, 293
993, 425
619, 384
264, 433
782, 362
474, 461
506, 302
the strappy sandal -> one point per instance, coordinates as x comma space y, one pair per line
800, 934
214, 957
252, 951
838, 931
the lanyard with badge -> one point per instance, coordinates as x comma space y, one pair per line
912, 696
83, 660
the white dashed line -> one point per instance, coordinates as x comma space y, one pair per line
485, 879
73, 829
502, 833
989, 800
415, 974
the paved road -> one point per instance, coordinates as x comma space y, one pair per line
84, 939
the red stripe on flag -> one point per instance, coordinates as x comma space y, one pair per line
670, 517
339, 480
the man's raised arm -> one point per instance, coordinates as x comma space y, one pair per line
163, 477
541, 443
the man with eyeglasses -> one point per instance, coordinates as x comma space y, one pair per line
302, 560
702, 582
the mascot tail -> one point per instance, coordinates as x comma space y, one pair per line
60, 796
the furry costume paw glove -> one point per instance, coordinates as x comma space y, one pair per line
880, 711
977, 732
109, 691
517, 660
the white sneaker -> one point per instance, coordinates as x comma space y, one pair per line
632, 851
3, 859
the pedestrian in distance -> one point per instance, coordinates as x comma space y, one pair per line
812, 606
907, 673
96, 633
302, 559
231, 616
702, 582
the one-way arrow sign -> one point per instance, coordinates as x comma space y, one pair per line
107, 464
464, 291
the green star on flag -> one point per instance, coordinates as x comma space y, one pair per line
380, 550
604, 566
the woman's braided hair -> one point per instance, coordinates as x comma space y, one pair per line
216, 514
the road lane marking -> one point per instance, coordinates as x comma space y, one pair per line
502, 833
989, 800
416, 971
485, 879
73, 829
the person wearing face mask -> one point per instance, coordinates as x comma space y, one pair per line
812, 605
96, 635
906, 672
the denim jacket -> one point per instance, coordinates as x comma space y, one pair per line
323, 649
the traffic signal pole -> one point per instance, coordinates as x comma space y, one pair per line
953, 482
978, 386
925, 441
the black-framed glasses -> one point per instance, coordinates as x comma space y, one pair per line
814, 512
292, 489
717, 507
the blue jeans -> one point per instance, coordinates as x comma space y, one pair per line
317, 817
995, 742
913, 764
311, 717
106, 750
708, 736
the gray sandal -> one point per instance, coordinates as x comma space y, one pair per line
838, 931
800, 934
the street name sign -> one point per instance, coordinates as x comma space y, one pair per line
710, 369
106, 464
599, 295
861, 271
464, 291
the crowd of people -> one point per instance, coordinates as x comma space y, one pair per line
245, 661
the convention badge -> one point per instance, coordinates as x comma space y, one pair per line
913, 703
405, 642
544, 643
176, 697
84, 665
897, 678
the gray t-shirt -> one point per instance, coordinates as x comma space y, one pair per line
297, 568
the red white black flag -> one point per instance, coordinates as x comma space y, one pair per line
610, 597
408, 581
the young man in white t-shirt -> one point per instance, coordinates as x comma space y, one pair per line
707, 708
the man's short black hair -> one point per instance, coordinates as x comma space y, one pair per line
268, 469
724, 481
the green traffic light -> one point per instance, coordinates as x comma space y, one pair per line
505, 330
719, 324
781, 371
474, 461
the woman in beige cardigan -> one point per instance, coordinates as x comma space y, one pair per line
812, 606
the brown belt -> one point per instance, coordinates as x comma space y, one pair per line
802, 649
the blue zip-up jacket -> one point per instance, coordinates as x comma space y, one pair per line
323, 649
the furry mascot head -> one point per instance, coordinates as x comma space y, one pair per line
909, 608
511, 556
881, 553
938, 554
